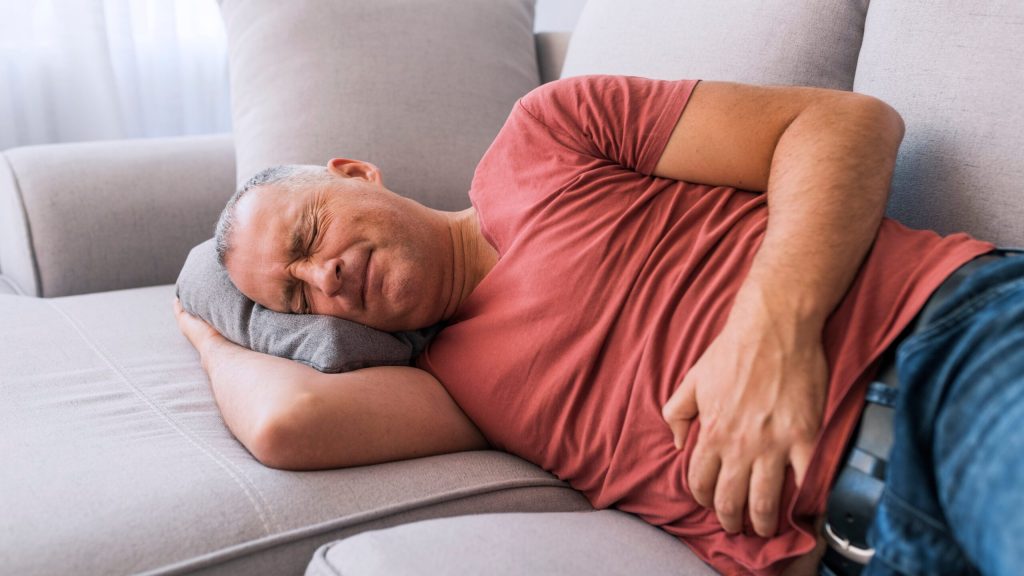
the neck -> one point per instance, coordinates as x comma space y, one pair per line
472, 258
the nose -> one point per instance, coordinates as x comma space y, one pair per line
325, 276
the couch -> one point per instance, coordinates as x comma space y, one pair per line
116, 459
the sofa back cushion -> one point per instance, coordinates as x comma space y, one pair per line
753, 41
417, 87
955, 71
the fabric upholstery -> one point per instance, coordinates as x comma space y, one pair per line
116, 459
419, 88
754, 41
325, 343
955, 72
17, 254
78, 218
551, 47
7, 286
578, 543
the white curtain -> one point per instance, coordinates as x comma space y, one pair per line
78, 70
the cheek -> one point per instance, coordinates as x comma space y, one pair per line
413, 281
403, 286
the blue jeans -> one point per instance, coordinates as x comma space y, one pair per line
954, 494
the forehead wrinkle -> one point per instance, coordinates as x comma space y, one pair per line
296, 246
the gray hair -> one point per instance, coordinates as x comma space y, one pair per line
287, 178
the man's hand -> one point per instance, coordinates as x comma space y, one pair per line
199, 333
825, 161
758, 392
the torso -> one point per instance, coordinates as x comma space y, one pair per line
610, 285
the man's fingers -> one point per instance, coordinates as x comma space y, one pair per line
680, 410
731, 495
800, 457
680, 428
702, 473
766, 478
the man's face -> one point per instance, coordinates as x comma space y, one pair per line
348, 248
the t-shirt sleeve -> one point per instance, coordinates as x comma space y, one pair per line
623, 119
571, 135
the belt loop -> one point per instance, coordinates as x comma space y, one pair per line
881, 393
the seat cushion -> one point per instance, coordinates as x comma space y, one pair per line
583, 543
418, 87
116, 459
954, 70
754, 41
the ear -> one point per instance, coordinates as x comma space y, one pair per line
348, 168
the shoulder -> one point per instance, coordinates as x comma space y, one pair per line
570, 94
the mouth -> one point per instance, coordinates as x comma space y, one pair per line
366, 278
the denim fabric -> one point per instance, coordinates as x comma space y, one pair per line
954, 496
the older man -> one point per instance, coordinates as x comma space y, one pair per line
677, 312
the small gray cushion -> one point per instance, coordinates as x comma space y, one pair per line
325, 343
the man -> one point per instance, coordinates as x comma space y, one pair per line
664, 346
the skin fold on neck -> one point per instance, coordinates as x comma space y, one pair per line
473, 257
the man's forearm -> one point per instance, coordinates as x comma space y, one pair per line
293, 417
251, 389
827, 190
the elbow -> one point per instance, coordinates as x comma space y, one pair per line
277, 441
269, 447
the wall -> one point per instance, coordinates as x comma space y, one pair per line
557, 14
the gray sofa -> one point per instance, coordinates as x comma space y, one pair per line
115, 457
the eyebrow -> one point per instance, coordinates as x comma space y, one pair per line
298, 243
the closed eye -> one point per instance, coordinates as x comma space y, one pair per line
314, 232
300, 287
304, 308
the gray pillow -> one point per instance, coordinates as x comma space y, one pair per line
325, 343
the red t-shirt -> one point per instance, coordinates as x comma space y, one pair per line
610, 285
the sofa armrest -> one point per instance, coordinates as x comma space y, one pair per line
8, 287
78, 218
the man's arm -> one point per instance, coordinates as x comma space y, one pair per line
293, 417
825, 159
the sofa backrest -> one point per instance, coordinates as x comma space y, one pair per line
954, 70
418, 88
752, 41
551, 48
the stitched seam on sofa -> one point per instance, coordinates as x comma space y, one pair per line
229, 553
28, 225
199, 443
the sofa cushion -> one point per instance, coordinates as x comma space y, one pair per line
573, 543
116, 459
417, 87
7, 286
754, 41
955, 71
325, 343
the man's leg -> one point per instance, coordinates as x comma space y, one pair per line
954, 502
